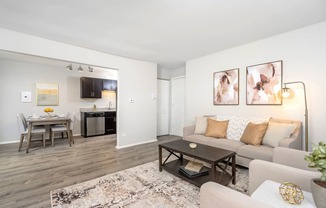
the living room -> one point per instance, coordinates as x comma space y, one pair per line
300, 48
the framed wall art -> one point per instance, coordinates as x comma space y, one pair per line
226, 87
263, 83
47, 94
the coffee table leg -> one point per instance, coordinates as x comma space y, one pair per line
213, 172
160, 158
233, 170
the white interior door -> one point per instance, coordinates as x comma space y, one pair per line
163, 94
177, 105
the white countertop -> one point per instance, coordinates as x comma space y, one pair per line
97, 110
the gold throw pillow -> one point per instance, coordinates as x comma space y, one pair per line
254, 133
216, 128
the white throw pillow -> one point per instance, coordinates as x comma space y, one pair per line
276, 132
201, 125
238, 124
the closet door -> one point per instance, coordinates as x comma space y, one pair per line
177, 105
163, 94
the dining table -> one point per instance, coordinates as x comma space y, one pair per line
47, 120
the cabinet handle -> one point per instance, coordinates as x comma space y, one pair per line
115, 119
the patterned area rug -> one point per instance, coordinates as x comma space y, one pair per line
140, 186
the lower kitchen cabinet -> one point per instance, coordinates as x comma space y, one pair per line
110, 123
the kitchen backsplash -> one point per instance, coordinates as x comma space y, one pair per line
107, 97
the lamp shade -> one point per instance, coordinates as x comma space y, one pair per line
286, 93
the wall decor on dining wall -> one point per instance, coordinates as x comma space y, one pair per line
47, 94
263, 83
226, 87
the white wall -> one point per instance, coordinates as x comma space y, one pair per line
136, 121
163, 73
181, 71
303, 54
170, 73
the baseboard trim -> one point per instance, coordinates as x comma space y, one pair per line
134, 144
17, 141
10, 142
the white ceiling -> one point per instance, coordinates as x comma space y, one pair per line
168, 32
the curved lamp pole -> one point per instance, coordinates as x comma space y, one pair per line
285, 89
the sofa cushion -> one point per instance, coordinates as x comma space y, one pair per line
237, 125
254, 133
227, 144
276, 132
200, 139
262, 152
216, 128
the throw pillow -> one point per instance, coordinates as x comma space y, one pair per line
254, 133
201, 125
216, 128
276, 132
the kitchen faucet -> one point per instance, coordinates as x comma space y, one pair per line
110, 103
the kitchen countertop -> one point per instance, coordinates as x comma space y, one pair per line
97, 110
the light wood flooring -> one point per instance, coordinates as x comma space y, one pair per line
27, 179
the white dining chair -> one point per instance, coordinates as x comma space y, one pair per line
63, 128
22, 122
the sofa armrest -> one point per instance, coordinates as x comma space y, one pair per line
188, 130
291, 157
260, 170
291, 142
215, 195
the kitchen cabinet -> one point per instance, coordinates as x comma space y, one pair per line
90, 87
109, 84
110, 123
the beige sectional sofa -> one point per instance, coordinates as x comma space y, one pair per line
287, 165
245, 152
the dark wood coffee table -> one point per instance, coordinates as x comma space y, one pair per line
211, 155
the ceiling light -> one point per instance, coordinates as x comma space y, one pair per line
69, 67
90, 69
80, 69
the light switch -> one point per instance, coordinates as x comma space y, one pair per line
154, 96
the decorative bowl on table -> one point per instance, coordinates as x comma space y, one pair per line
48, 111
192, 145
291, 193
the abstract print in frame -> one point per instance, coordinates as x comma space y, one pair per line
264, 81
47, 94
226, 87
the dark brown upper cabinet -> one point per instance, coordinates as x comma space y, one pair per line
109, 84
90, 87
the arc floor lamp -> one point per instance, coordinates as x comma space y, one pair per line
288, 93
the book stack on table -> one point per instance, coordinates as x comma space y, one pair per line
193, 169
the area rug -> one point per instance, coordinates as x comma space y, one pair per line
141, 186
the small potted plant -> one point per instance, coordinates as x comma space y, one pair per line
317, 159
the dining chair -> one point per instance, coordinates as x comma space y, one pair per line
22, 122
63, 128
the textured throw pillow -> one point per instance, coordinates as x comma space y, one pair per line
254, 133
276, 132
216, 128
